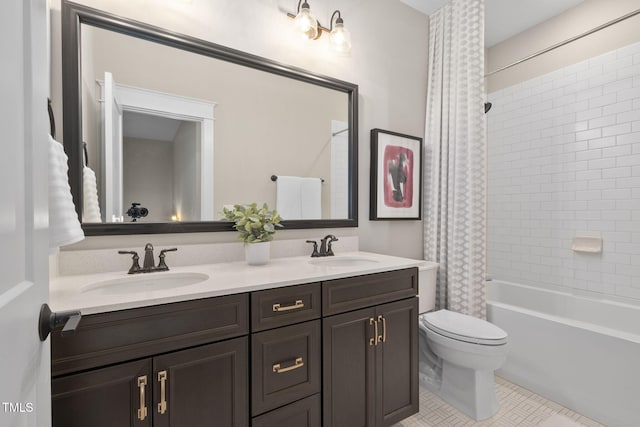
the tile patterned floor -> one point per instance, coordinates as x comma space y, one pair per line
518, 407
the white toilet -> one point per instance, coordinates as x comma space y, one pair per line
458, 353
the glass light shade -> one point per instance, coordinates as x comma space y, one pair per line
340, 39
306, 23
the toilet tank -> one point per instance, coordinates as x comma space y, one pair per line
427, 286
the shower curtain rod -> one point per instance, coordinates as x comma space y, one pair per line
565, 42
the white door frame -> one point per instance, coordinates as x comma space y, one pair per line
178, 107
112, 170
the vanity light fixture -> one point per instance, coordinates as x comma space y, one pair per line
339, 36
305, 22
310, 28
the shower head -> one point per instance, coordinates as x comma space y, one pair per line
487, 107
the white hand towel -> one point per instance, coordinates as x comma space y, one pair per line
90, 205
64, 227
298, 197
288, 190
311, 198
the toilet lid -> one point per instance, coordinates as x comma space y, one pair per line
464, 328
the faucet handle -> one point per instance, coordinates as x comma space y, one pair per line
162, 266
315, 253
135, 266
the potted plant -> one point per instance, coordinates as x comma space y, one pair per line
256, 227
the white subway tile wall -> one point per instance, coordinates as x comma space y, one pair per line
564, 161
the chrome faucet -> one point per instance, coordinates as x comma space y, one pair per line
148, 265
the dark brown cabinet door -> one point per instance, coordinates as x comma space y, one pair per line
397, 362
115, 396
349, 369
203, 386
371, 366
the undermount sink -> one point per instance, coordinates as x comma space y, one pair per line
343, 261
144, 283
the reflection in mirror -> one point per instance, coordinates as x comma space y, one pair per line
183, 134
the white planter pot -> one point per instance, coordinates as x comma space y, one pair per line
257, 253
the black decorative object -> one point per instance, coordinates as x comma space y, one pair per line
136, 211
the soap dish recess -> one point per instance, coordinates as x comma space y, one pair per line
592, 245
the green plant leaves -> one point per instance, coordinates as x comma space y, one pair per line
253, 225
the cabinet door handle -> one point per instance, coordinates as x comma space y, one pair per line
296, 306
297, 364
374, 340
383, 337
142, 384
162, 406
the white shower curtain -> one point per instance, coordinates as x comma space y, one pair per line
455, 156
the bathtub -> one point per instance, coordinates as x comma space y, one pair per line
581, 352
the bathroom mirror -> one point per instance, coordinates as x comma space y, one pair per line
184, 127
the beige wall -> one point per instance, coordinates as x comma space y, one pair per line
148, 167
388, 62
574, 21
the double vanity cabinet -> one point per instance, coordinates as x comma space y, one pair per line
340, 352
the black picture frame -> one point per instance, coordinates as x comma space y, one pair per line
396, 176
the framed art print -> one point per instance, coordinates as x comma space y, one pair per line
396, 176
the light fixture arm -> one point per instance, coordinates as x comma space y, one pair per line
303, 5
337, 21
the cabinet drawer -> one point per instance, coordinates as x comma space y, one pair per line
352, 293
285, 365
108, 338
285, 306
303, 413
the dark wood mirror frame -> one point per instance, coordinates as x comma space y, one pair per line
73, 15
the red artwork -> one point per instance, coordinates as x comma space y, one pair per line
398, 177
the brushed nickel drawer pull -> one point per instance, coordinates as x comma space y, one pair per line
162, 406
383, 337
142, 384
296, 306
279, 370
374, 340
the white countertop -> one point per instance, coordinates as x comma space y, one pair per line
66, 292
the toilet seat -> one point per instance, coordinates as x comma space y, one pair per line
464, 328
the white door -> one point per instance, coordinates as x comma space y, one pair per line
25, 396
112, 167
